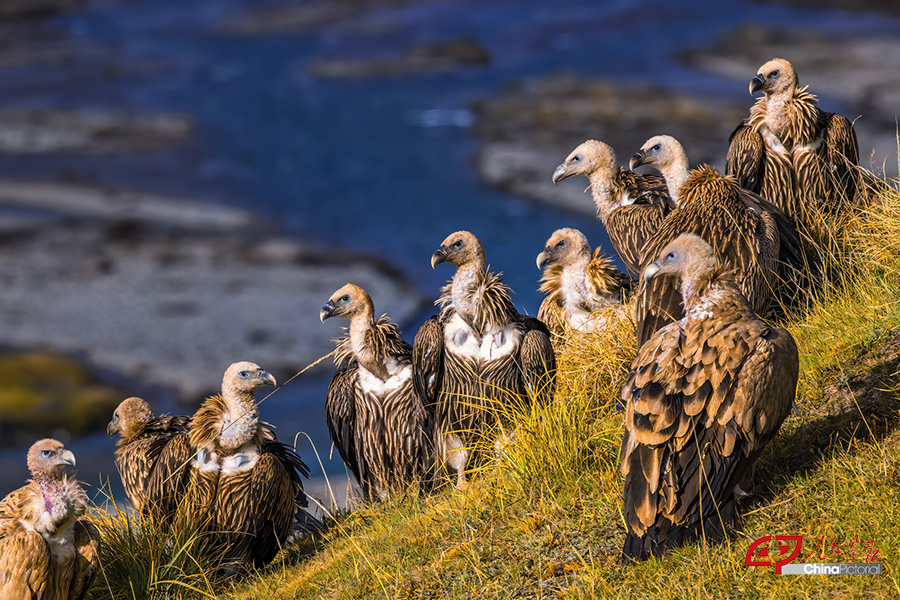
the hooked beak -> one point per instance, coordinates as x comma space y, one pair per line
651, 271
327, 311
67, 457
561, 172
637, 159
439, 256
757, 84
267, 377
543, 258
112, 429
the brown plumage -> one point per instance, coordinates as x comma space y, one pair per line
376, 418
577, 283
46, 551
790, 151
478, 355
631, 206
245, 484
792, 268
744, 234
704, 396
152, 455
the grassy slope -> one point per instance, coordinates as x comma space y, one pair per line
547, 521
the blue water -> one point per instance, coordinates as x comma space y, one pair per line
383, 165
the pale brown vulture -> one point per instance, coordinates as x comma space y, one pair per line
631, 206
46, 551
479, 355
746, 231
153, 456
577, 282
245, 484
376, 418
704, 396
790, 151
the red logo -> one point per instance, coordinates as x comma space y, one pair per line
786, 553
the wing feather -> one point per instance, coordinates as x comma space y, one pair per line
340, 414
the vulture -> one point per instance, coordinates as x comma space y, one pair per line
793, 267
630, 205
478, 356
46, 551
577, 282
746, 232
704, 396
152, 455
245, 484
790, 151
376, 417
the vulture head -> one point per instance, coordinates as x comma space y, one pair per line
459, 248
128, 417
245, 377
590, 157
563, 247
774, 77
660, 151
49, 458
348, 301
688, 257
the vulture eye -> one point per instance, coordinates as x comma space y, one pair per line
670, 256
345, 298
46, 453
244, 374
576, 158
561, 244
655, 148
774, 74
116, 418
456, 245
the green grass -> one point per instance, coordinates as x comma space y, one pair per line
544, 520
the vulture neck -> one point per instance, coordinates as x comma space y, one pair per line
53, 492
464, 291
240, 421
602, 188
574, 283
675, 172
362, 325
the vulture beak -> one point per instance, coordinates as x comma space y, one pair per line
757, 84
67, 457
112, 429
439, 256
543, 258
561, 172
327, 311
651, 271
637, 159
267, 377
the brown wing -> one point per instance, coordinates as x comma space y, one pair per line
274, 489
340, 414
170, 474
842, 157
538, 360
746, 157
25, 562
629, 228
553, 316
87, 558
134, 462
605, 280
428, 359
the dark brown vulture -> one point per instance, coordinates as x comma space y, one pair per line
479, 355
577, 282
704, 396
246, 485
631, 206
790, 151
376, 418
153, 456
46, 551
747, 233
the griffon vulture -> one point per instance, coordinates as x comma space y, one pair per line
704, 396
478, 355
153, 456
790, 151
46, 551
245, 483
630, 205
376, 418
577, 283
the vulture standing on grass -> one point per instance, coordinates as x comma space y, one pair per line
479, 358
246, 485
46, 551
743, 232
790, 151
376, 418
577, 282
153, 456
741, 229
704, 396
630, 205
